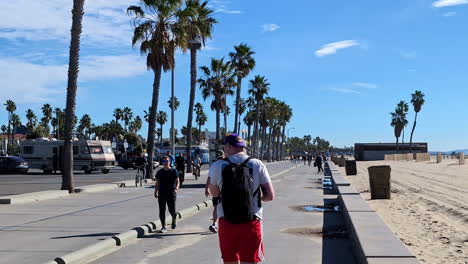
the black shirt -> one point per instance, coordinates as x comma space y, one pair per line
167, 181
140, 161
180, 162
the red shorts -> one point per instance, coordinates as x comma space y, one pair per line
241, 241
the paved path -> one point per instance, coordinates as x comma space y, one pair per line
291, 235
35, 181
39, 232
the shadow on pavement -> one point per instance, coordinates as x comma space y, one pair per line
160, 235
193, 186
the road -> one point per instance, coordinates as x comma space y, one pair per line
35, 180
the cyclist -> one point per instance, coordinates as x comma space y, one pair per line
140, 164
180, 166
196, 163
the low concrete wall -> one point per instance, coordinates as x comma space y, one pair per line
372, 240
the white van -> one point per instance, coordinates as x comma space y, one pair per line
88, 155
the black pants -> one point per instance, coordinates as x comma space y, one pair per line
170, 200
319, 166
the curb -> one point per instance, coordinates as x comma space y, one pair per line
32, 197
102, 248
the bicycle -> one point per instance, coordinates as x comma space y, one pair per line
196, 171
140, 175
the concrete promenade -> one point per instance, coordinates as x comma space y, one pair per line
39, 232
291, 234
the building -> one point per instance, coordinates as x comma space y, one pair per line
377, 151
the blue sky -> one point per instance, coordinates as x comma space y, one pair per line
341, 65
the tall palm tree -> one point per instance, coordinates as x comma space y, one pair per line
176, 103
84, 126
197, 25
136, 124
15, 122
259, 88
47, 116
243, 62
242, 108
399, 121
161, 119
127, 116
11, 108
403, 108
118, 114
200, 118
417, 99
73, 68
286, 115
32, 119
154, 22
249, 120
217, 81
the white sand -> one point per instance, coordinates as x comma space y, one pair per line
429, 207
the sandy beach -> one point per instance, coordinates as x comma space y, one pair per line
429, 207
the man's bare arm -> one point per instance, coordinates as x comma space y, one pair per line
268, 192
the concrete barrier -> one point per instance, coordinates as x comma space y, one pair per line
88, 253
372, 240
32, 197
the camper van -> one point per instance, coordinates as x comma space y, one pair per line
88, 155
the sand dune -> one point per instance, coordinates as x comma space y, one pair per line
429, 207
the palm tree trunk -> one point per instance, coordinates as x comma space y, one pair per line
193, 84
256, 131
9, 129
199, 134
412, 131
73, 69
152, 119
269, 144
218, 124
283, 145
161, 135
238, 97
172, 111
248, 135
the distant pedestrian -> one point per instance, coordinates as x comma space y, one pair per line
318, 161
171, 159
180, 166
55, 162
167, 185
309, 159
242, 183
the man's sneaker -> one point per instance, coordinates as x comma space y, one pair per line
213, 229
163, 230
173, 225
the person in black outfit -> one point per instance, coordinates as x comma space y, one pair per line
318, 161
140, 163
180, 166
167, 184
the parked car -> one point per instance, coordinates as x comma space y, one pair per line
13, 164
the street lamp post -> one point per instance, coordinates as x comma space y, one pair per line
288, 135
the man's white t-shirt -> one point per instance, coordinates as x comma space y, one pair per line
260, 175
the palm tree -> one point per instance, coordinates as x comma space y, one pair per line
217, 81
11, 108
200, 118
286, 115
84, 128
127, 116
176, 103
32, 119
259, 87
73, 68
136, 124
118, 114
196, 23
154, 21
47, 116
417, 99
399, 121
15, 123
403, 108
243, 62
161, 119
4, 129
249, 120
242, 109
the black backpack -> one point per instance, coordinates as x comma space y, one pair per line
237, 193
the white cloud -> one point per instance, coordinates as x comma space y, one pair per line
365, 85
220, 6
344, 90
332, 48
269, 27
449, 14
408, 54
444, 3
104, 21
28, 82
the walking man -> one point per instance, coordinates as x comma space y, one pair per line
180, 166
318, 161
242, 183
167, 184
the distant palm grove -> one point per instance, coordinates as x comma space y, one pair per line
161, 27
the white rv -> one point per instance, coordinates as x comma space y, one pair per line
88, 155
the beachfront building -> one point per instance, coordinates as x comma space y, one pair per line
377, 151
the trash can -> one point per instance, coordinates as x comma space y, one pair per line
379, 179
351, 167
342, 162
